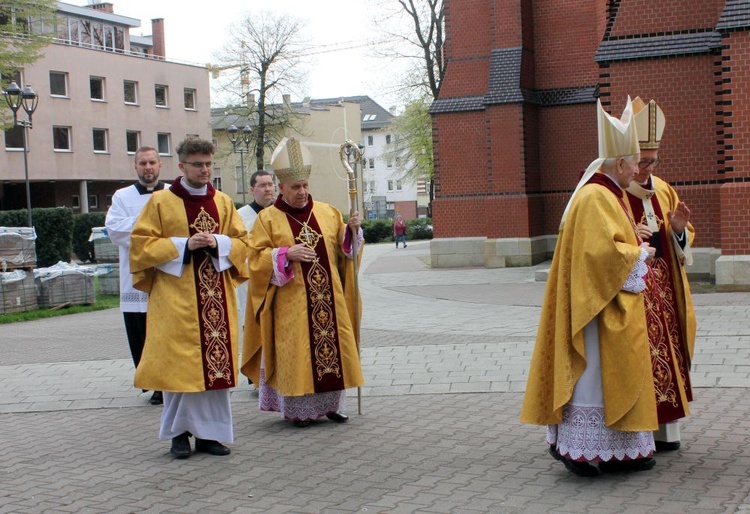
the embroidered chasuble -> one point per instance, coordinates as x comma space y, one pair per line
191, 334
596, 250
669, 307
306, 326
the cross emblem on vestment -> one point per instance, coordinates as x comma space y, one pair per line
308, 237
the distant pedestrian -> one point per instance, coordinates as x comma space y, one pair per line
189, 252
127, 204
399, 230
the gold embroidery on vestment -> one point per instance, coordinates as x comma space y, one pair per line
215, 329
204, 222
323, 332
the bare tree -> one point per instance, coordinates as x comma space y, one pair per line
263, 64
419, 26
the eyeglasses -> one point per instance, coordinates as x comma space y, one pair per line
645, 164
199, 164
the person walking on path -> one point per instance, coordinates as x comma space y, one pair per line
399, 230
189, 252
302, 299
127, 204
664, 221
590, 377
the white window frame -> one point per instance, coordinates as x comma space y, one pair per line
135, 91
399, 186
66, 84
370, 141
193, 93
103, 83
105, 133
166, 96
93, 201
137, 141
390, 186
168, 137
69, 130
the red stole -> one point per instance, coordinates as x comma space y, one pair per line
325, 350
213, 313
669, 352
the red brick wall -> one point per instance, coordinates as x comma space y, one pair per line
735, 218
566, 36
650, 17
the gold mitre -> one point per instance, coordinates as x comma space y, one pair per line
617, 137
291, 161
649, 122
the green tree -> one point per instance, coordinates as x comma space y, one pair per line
23, 35
411, 145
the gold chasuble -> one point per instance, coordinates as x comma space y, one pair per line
191, 334
306, 326
596, 250
669, 305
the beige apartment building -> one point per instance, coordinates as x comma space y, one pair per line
102, 94
323, 126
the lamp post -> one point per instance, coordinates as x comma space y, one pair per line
238, 142
28, 99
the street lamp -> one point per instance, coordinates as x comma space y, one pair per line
238, 141
28, 99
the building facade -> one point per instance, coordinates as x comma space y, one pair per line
324, 124
515, 122
102, 94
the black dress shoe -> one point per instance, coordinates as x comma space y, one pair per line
664, 446
181, 446
616, 466
157, 398
582, 469
300, 423
211, 447
337, 417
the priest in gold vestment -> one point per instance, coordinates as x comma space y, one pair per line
299, 342
188, 251
663, 220
590, 376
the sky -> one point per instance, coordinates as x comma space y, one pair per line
195, 35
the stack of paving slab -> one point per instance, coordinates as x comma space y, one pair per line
64, 284
108, 255
17, 291
17, 260
17, 248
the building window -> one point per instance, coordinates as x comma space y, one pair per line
372, 186
132, 140
100, 140
108, 199
14, 138
96, 84
398, 185
389, 163
371, 163
58, 83
93, 201
239, 179
130, 92
387, 139
390, 185
216, 182
61, 139
370, 141
163, 143
160, 95
190, 99
76, 200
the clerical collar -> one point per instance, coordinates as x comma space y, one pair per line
186, 192
640, 191
256, 206
143, 190
282, 205
200, 191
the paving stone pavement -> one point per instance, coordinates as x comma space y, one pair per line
445, 355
